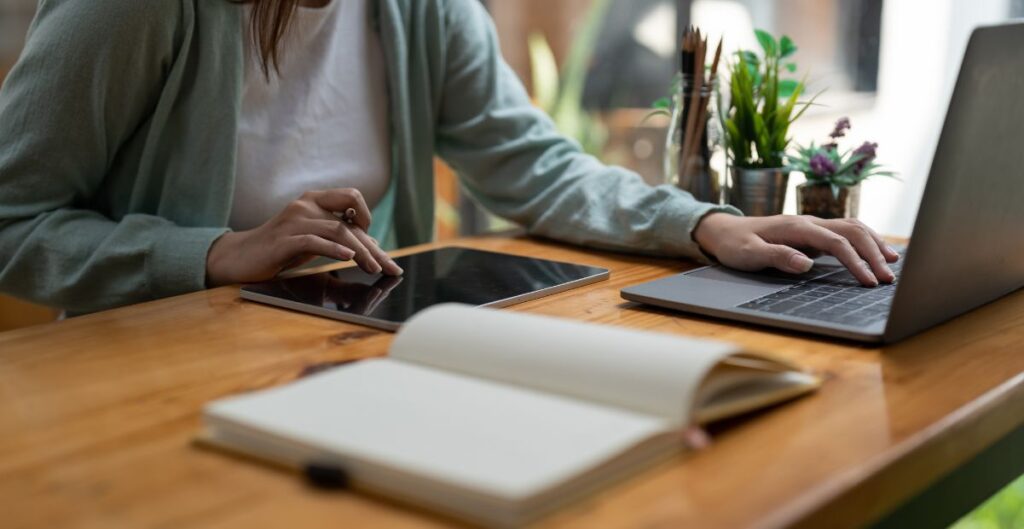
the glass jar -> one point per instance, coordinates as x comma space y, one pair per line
699, 170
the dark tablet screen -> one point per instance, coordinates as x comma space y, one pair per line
446, 275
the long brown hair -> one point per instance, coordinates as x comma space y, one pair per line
269, 24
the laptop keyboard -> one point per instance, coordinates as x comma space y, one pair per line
835, 297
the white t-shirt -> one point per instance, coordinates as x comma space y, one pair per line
321, 123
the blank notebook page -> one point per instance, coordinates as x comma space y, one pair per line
498, 439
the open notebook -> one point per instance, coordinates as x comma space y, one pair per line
499, 417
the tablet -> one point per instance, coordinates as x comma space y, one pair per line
445, 275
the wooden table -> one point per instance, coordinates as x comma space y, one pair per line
97, 416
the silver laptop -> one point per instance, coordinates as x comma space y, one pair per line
967, 246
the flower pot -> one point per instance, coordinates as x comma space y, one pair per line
820, 201
758, 192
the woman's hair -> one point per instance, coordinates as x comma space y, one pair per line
269, 23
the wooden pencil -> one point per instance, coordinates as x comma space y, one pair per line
698, 45
704, 101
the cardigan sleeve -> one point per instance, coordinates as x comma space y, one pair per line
514, 162
89, 77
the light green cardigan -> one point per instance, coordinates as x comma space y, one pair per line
117, 147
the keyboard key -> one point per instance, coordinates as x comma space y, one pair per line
780, 308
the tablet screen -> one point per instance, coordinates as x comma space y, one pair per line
446, 275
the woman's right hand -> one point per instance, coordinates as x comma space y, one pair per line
783, 241
307, 227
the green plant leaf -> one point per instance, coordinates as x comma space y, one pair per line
805, 106
752, 70
787, 87
849, 164
655, 112
749, 56
786, 47
791, 67
767, 42
737, 142
662, 103
762, 139
567, 110
544, 71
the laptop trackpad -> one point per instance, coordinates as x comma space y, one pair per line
759, 279
717, 286
722, 288
769, 277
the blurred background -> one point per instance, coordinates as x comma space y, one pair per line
597, 66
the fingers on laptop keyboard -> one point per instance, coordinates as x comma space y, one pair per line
871, 249
816, 235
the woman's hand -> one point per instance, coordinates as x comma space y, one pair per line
308, 227
755, 243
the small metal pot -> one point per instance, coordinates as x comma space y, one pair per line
758, 192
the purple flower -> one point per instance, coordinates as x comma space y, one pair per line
868, 151
841, 127
821, 165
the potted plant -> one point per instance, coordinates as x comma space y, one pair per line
762, 106
832, 190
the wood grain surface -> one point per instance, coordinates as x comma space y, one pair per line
97, 416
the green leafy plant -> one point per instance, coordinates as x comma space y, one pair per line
827, 165
560, 93
762, 105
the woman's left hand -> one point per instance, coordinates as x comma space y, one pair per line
755, 243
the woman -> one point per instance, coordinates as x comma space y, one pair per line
151, 148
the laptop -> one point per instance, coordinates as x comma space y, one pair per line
967, 245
